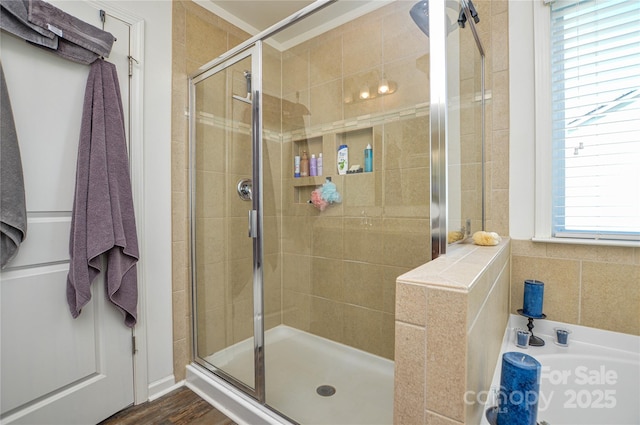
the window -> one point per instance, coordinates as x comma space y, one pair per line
594, 64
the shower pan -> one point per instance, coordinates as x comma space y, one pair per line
293, 307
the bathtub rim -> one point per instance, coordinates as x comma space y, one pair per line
581, 334
626, 346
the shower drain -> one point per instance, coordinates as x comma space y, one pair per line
326, 390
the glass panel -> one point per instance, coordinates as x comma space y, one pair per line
465, 128
223, 251
330, 268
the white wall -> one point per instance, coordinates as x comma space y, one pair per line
157, 189
522, 129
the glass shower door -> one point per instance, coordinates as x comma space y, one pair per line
225, 225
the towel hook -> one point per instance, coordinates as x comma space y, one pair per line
103, 18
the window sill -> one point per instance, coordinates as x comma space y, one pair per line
592, 242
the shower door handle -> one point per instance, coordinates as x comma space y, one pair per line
253, 224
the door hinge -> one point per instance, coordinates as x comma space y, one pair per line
134, 349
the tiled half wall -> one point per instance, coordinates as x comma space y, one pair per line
450, 318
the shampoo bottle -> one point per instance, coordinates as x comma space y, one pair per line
304, 165
313, 166
319, 164
343, 159
296, 166
368, 159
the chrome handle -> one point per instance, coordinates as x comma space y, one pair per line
253, 224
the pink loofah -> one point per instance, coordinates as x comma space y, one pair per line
317, 200
325, 195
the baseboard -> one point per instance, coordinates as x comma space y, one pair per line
163, 386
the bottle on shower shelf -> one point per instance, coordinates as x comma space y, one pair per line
296, 166
368, 159
343, 159
304, 165
313, 166
319, 164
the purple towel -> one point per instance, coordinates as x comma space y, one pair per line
103, 220
68, 27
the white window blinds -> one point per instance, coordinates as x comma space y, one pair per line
595, 83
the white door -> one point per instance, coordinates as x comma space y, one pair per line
54, 369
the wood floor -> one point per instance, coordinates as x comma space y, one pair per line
179, 407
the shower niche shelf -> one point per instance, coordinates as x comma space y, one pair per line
313, 146
303, 186
357, 141
328, 144
311, 181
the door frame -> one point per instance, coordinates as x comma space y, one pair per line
256, 217
136, 169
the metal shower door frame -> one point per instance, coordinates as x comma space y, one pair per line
438, 126
255, 214
438, 120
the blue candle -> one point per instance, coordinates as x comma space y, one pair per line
519, 390
533, 295
563, 336
523, 338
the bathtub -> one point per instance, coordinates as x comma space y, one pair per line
595, 380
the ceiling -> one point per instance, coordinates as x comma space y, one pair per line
254, 16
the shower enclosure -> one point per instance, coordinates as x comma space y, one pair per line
293, 305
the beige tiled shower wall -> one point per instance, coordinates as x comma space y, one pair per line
494, 32
470, 150
340, 265
586, 285
198, 37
